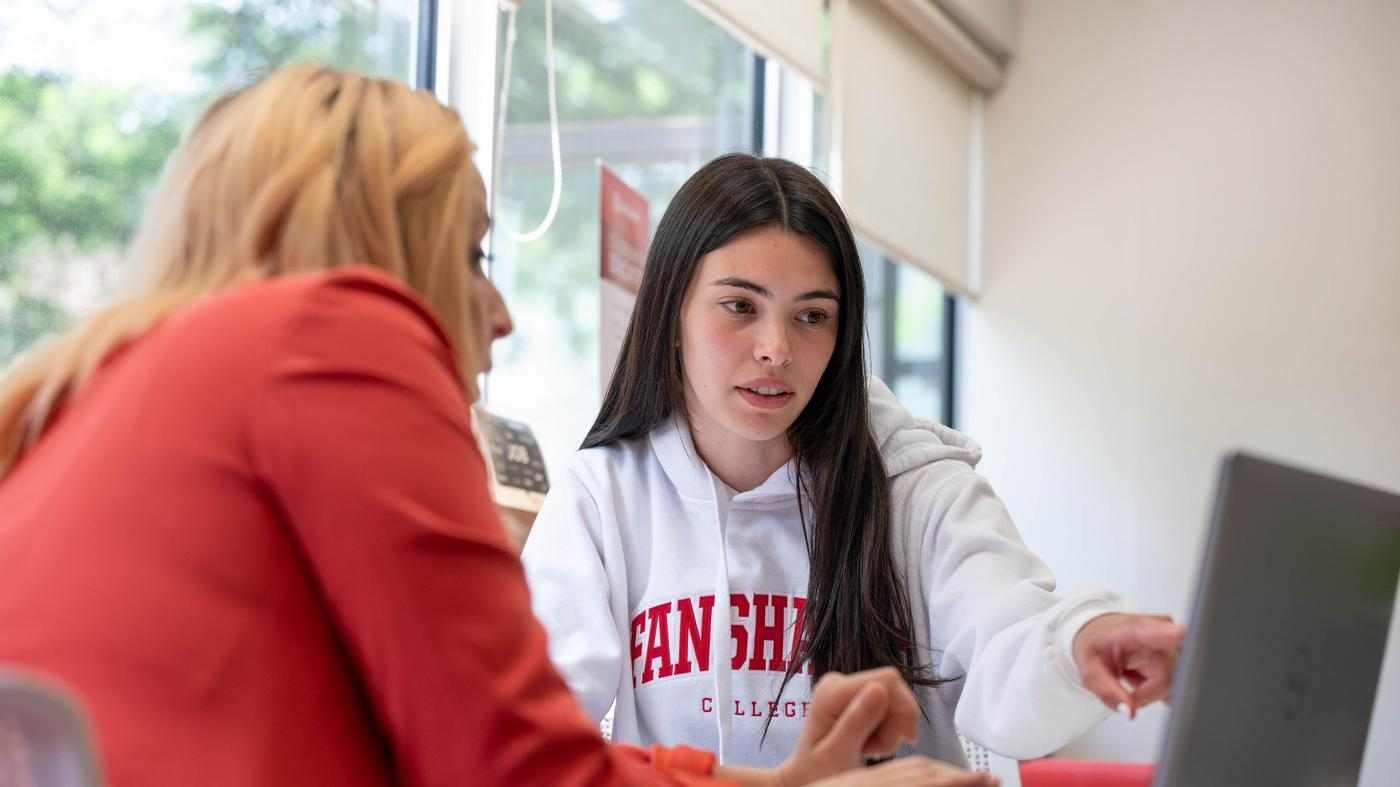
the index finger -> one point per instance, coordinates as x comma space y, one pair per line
1161, 636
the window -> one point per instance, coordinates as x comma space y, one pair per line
85, 126
910, 320
792, 117
651, 90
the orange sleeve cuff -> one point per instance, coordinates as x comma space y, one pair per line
683, 759
680, 765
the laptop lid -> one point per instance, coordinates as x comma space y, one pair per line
1277, 676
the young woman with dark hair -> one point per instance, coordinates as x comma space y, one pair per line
751, 511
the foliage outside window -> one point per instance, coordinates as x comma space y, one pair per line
95, 94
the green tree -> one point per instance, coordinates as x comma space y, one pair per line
77, 159
67, 169
256, 36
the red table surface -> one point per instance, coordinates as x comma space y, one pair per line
1084, 773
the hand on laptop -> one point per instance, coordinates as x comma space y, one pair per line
1127, 660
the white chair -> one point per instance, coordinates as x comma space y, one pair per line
983, 760
44, 741
978, 758
605, 726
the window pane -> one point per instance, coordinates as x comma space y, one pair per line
94, 96
906, 331
920, 394
651, 90
919, 324
879, 349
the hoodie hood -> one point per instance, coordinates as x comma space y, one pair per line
908, 443
674, 449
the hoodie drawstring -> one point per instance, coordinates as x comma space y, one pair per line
720, 636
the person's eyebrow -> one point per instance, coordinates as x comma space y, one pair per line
745, 284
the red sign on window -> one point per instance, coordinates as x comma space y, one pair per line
624, 220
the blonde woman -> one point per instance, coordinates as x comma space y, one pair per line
244, 517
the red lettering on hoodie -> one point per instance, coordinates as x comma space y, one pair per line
738, 631
658, 642
767, 633
799, 604
637, 624
757, 635
694, 637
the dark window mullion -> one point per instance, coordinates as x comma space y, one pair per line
889, 294
427, 45
950, 343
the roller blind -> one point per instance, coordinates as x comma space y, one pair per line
904, 130
789, 31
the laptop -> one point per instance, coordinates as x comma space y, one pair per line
1277, 676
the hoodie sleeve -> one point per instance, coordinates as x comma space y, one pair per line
570, 593
994, 616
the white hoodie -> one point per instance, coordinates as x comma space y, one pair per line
637, 541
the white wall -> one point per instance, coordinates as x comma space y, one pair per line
1192, 243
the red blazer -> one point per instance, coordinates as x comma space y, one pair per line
258, 546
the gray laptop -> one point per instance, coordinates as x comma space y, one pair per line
1277, 676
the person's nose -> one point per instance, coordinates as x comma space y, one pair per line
772, 346
501, 324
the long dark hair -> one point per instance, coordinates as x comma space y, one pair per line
857, 614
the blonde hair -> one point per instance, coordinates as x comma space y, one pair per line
310, 168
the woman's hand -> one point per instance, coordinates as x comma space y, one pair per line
1118, 648
866, 714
